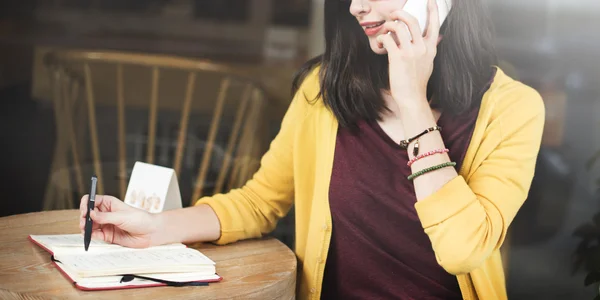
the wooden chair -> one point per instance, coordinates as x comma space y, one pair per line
111, 109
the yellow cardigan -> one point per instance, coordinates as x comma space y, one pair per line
466, 220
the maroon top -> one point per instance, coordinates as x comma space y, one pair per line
379, 249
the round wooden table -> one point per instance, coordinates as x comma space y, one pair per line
252, 269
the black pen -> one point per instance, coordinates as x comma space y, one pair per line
87, 237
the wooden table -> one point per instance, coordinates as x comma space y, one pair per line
253, 269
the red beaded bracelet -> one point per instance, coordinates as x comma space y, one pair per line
438, 151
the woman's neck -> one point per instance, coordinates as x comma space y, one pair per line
393, 112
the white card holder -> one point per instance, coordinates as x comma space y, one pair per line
153, 188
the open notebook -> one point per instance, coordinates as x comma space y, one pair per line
109, 266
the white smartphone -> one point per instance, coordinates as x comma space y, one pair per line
418, 8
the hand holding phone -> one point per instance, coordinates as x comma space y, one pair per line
411, 57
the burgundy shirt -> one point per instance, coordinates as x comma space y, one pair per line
379, 249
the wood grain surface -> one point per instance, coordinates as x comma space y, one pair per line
253, 269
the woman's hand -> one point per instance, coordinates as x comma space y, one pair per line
118, 223
410, 62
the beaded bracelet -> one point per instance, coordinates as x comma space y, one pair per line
430, 153
427, 170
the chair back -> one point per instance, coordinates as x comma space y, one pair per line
112, 109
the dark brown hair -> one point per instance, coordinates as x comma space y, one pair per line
352, 76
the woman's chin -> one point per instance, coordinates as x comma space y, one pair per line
375, 48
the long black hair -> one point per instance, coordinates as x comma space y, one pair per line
352, 75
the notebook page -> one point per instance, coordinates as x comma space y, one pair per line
146, 261
73, 244
67, 240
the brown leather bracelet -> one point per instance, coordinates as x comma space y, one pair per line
404, 143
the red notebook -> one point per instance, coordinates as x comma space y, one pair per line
108, 266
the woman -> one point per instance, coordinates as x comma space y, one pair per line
404, 182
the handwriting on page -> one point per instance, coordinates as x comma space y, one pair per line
134, 259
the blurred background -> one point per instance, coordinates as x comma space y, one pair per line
201, 86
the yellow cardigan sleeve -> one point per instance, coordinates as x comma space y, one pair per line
466, 220
254, 209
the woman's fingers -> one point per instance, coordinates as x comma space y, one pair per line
109, 203
432, 32
388, 43
83, 204
398, 31
112, 218
102, 203
95, 225
102, 235
410, 24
